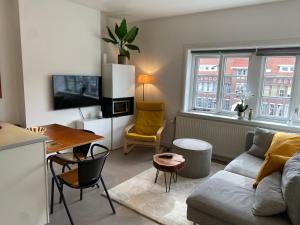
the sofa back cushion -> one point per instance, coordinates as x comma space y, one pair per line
291, 188
261, 142
268, 199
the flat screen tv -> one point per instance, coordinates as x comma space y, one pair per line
71, 91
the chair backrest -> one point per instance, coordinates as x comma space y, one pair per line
83, 149
149, 117
89, 169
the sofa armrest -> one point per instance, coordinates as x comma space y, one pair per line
249, 140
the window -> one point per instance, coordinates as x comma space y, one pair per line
211, 87
266, 91
286, 68
199, 102
210, 103
234, 80
227, 87
200, 86
281, 91
240, 71
272, 109
289, 91
204, 68
265, 78
274, 90
227, 104
279, 111
265, 108
207, 69
270, 81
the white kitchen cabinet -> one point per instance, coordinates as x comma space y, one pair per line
112, 129
23, 176
101, 127
118, 81
118, 126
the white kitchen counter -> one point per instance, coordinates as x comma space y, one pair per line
12, 136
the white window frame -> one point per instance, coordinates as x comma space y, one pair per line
295, 84
194, 79
222, 79
256, 71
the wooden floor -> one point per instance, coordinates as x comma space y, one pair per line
94, 209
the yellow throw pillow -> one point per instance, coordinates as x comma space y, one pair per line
285, 144
271, 164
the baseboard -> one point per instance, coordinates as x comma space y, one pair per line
222, 159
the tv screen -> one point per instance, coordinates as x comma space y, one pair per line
76, 91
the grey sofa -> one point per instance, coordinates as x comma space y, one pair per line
227, 197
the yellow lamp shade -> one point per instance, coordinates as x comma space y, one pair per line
144, 79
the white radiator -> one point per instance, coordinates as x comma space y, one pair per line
228, 139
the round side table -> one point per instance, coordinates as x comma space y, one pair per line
168, 163
197, 154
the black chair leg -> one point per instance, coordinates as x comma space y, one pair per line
108, 197
61, 194
81, 194
62, 190
97, 185
52, 195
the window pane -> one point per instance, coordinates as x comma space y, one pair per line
235, 80
206, 73
277, 86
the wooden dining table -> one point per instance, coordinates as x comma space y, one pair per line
61, 137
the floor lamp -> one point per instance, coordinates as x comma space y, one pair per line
144, 79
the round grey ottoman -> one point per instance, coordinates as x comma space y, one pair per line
197, 154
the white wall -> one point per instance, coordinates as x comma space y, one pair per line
57, 37
163, 43
12, 101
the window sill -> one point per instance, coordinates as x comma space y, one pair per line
245, 122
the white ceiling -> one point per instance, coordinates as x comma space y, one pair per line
134, 10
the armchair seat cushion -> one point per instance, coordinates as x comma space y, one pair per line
141, 137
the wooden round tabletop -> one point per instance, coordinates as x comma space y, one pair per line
168, 162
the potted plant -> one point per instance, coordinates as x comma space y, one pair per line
242, 94
241, 108
123, 38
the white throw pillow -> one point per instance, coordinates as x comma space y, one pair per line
268, 199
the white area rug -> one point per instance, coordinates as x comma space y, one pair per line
143, 196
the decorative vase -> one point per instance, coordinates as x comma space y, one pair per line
240, 115
122, 59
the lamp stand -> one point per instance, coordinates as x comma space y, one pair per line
143, 92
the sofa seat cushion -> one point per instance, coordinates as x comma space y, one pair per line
245, 164
229, 197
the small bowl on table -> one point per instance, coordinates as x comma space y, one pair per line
39, 130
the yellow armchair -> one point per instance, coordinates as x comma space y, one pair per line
147, 128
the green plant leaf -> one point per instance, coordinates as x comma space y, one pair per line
111, 34
117, 31
122, 30
131, 35
127, 54
133, 47
110, 41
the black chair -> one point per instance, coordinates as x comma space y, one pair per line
87, 175
79, 153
